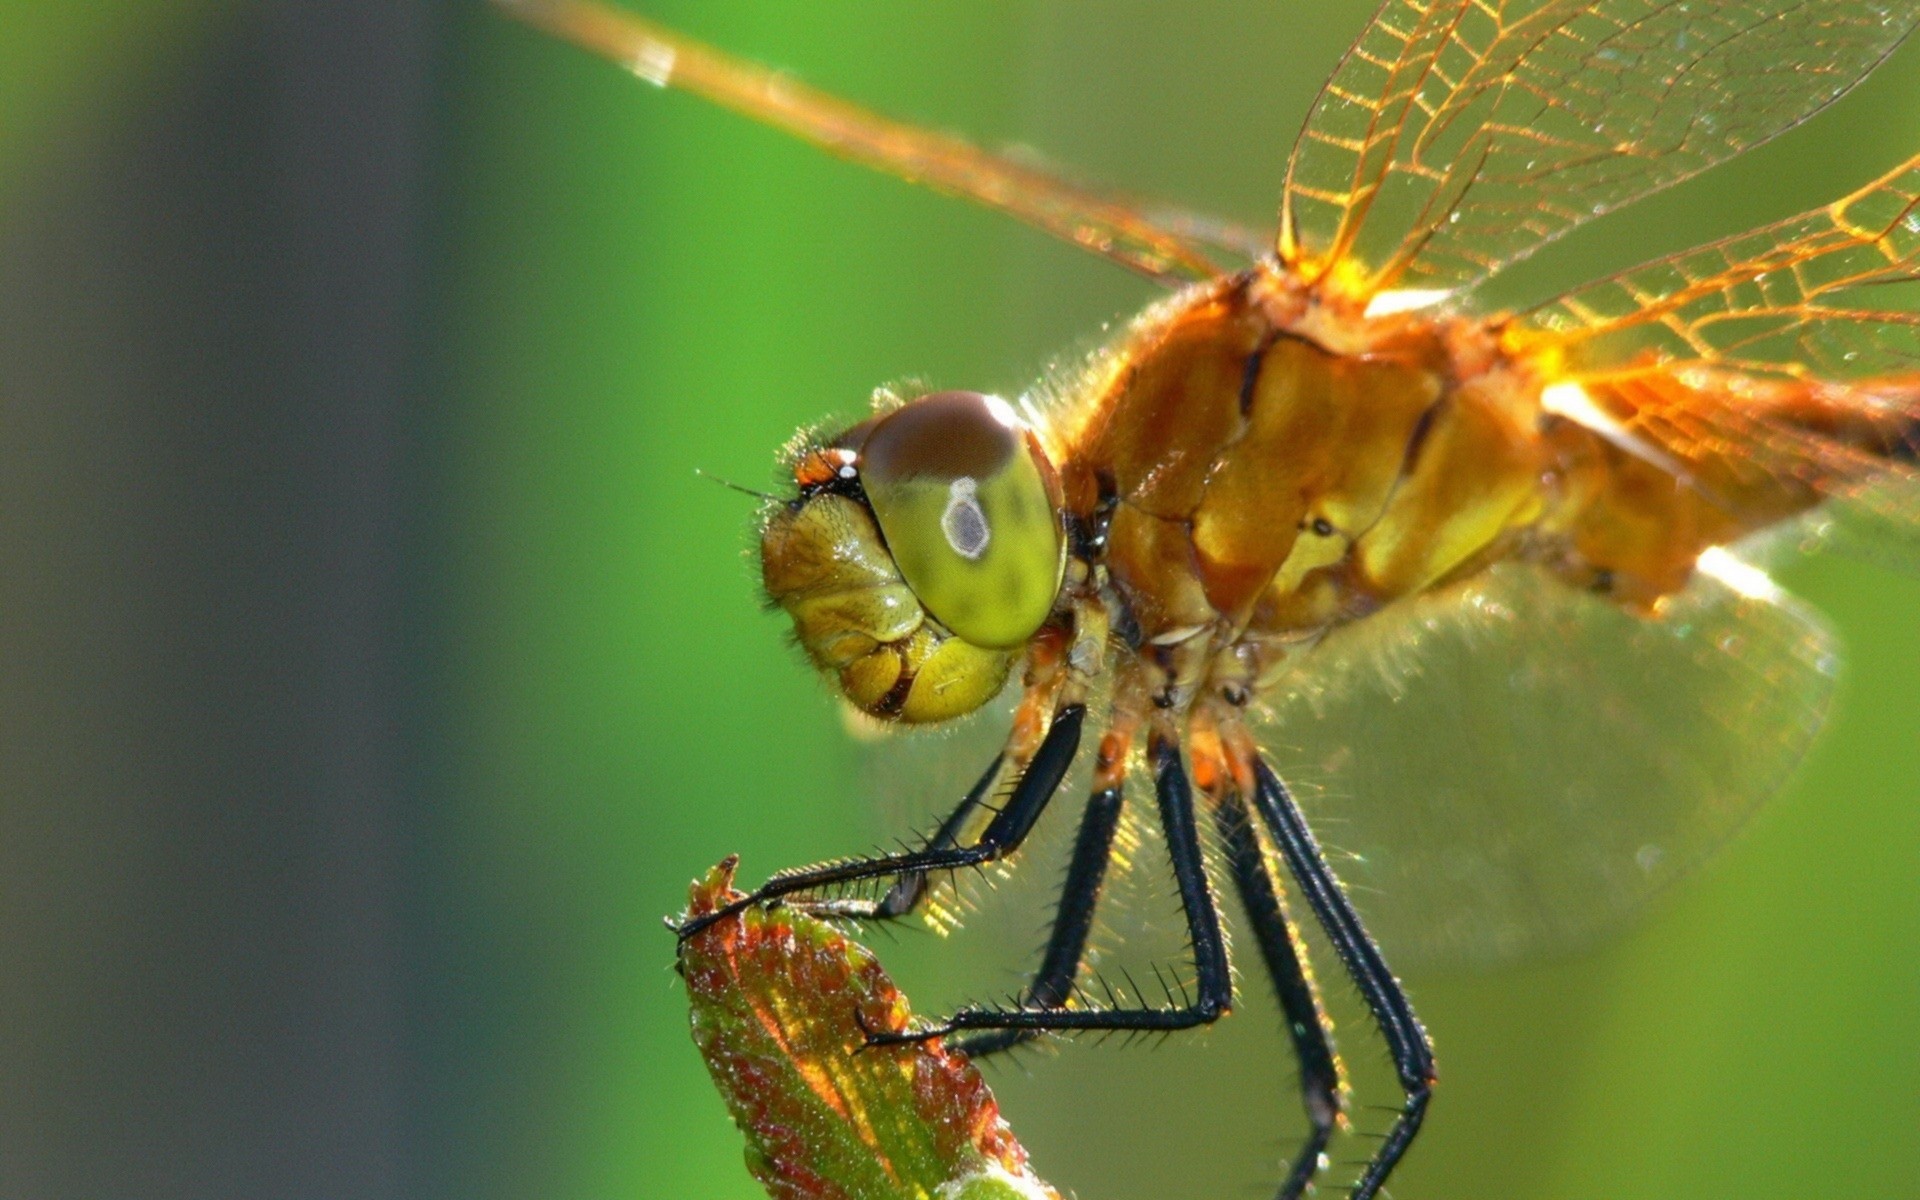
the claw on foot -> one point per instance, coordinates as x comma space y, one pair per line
712, 901
878, 1038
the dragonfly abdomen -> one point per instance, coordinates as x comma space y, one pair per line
1668, 461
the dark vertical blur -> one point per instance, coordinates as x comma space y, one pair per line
205, 303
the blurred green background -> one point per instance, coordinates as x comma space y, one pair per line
375, 671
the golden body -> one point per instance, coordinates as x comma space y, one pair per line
1263, 470
1335, 426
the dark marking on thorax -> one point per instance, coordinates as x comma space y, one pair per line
1417, 440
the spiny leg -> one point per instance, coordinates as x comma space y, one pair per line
1003, 834
911, 890
1072, 922
1406, 1039
1213, 989
1322, 1084
1053, 985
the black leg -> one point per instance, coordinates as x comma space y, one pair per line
1072, 922
1213, 986
1321, 1084
1002, 836
911, 890
1406, 1039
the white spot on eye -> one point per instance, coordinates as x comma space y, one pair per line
964, 522
847, 471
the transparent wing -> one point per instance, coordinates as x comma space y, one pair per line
1513, 765
1458, 136
1793, 349
1160, 242
1825, 293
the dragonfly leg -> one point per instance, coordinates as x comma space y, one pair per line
1406, 1038
1053, 984
1212, 995
1003, 834
911, 890
1322, 1080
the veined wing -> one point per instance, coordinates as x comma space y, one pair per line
1158, 241
1793, 349
1814, 295
1514, 765
1459, 136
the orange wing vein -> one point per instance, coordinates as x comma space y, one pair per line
1162, 243
1459, 136
1800, 297
1793, 349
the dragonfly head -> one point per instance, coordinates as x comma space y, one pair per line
923, 550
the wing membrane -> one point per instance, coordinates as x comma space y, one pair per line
1516, 765
1458, 136
1817, 294
1793, 349
1162, 243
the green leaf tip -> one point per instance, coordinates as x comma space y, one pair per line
996, 1184
774, 995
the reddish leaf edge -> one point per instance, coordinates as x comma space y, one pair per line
778, 1001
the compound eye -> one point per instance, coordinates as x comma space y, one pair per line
958, 487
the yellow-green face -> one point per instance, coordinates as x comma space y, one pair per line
923, 552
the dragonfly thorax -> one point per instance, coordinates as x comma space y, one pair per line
1259, 487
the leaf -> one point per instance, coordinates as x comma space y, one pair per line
775, 994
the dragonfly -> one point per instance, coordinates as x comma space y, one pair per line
1493, 578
